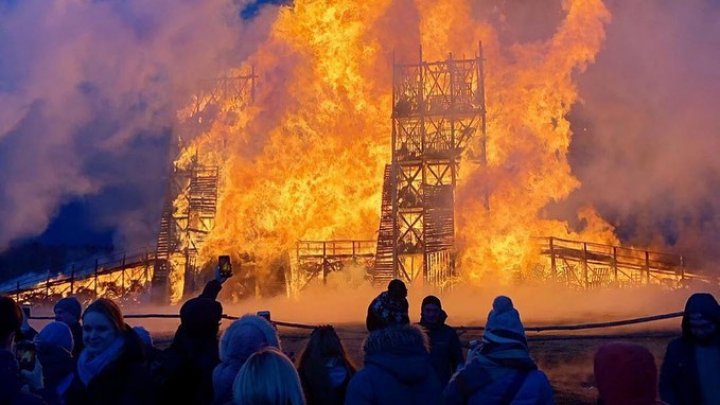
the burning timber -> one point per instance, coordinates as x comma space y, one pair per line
438, 119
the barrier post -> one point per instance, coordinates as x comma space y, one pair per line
96, 277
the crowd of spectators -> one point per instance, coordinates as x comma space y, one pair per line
94, 357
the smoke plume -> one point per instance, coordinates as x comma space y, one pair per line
88, 96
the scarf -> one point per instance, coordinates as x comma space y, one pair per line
89, 368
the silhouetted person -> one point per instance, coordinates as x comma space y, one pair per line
625, 374
389, 308
68, 311
690, 373
445, 350
186, 373
397, 370
54, 346
324, 368
500, 370
10, 381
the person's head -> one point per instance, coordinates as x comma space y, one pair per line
702, 318
324, 344
625, 374
56, 334
10, 320
431, 310
200, 318
396, 289
406, 339
246, 336
268, 377
68, 310
504, 325
102, 324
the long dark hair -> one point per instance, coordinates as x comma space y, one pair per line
324, 344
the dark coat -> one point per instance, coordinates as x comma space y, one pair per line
124, 381
486, 382
77, 334
185, 375
397, 370
10, 384
679, 379
445, 349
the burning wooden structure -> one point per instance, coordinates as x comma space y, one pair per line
438, 108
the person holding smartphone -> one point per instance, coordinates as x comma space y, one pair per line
186, 373
11, 383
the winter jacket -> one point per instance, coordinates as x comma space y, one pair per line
185, 374
386, 310
397, 370
445, 350
679, 378
78, 344
10, 384
124, 381
244, 337
491, 379
58, 368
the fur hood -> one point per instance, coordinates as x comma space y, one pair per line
398, 340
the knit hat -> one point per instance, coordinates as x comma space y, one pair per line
144, 335
504, 324
431, 299
10, 316
110, 310
56, 333
625, 374
397, 289
70, 305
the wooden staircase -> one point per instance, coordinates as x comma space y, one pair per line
383, 271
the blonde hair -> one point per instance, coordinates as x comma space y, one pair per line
268, 377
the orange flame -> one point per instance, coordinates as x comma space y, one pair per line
306, 161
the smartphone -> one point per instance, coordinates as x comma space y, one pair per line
225, 266
27, 310
264, 314
25, 353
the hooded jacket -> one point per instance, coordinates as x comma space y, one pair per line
244, 337
445, 350
397, 370
679, 378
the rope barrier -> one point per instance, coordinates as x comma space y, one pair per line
461, 329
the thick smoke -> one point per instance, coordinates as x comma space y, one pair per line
648, 132
88, 96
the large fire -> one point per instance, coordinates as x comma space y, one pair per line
306, 160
